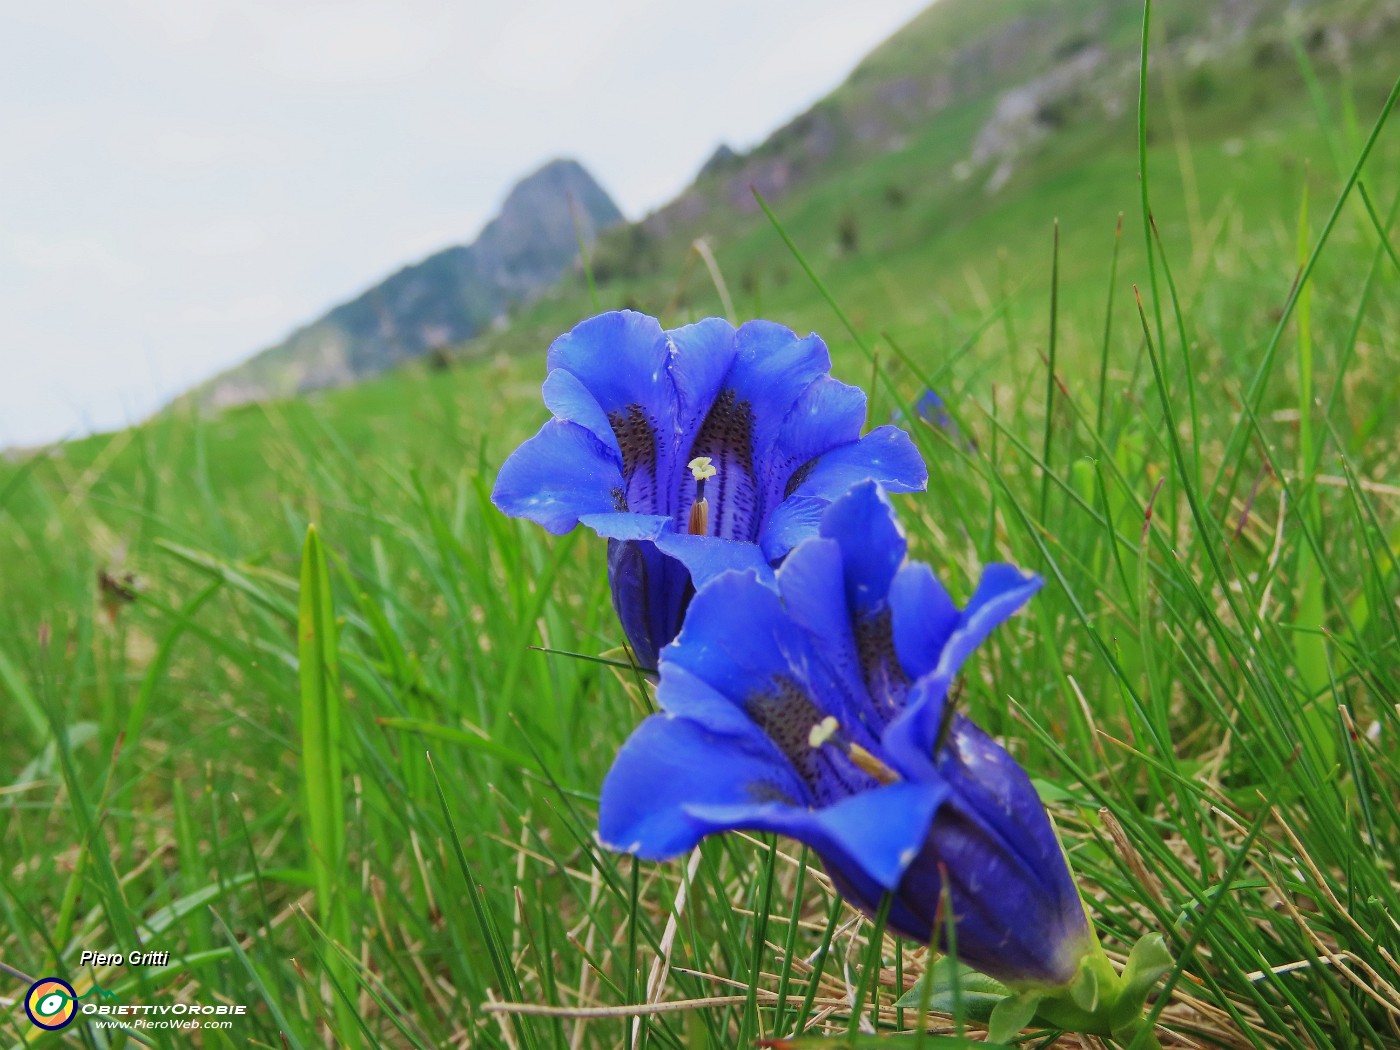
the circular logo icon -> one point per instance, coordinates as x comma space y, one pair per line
51, 1004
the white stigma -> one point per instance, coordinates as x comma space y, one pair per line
822, 732
702, 467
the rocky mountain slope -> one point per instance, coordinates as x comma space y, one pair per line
443, 300
973, 94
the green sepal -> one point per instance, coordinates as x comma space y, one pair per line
1101, 1002
1084, 989
1147, 962
1098, 1001
956, 986
1011, 1015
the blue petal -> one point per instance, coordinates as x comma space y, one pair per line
1002, 590
991, 785
868, 545
813, 585
737, 638
734, 494
676, 781
649, 594
932, 411
826, 414
909, 738
682, 694
704, 353
624, 525
1018, 912
795, 520
621, 358
650, 590
560, 474
1007, 929
886, 455
701, 359
569, 400
871, 837
669, 765
924, 616
930, 408
773, 367
710, 556
653, 571
872, 543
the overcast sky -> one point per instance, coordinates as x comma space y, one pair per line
182, 182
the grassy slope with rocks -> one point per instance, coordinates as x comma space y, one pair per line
1205, 691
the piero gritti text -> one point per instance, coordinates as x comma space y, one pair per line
130, 959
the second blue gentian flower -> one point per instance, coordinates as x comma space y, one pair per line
818, 709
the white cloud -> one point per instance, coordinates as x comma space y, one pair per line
344, 43
226, 236
566, 49
195, 147
74, 259
255, 309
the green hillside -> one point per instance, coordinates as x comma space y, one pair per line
1205, 692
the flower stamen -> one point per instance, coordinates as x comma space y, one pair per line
872, 765
826, 732
701, 467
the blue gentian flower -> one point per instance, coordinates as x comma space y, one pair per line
931, 409
818, 708
640, 414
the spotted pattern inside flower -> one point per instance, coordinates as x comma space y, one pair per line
761, 791
799, 476
885, 679
636, 438
726, 437
786, 714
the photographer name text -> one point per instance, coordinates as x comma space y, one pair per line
130, 959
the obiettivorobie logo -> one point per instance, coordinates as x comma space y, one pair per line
52, 1003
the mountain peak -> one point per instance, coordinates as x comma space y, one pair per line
561, 173
446, 298
563, 179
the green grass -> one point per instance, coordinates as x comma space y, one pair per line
349, 778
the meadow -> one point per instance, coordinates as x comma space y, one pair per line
348, 777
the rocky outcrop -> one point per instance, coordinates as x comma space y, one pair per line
443, 300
